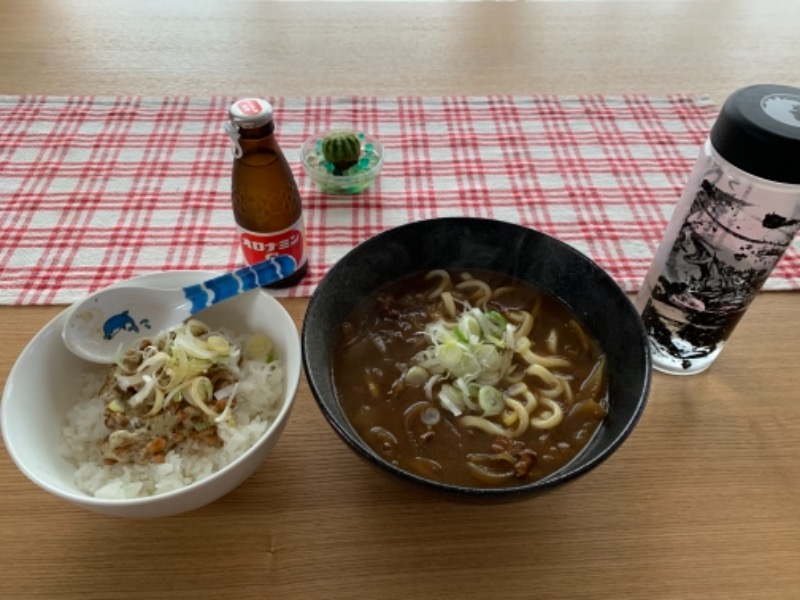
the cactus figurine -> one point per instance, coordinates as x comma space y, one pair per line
342, 149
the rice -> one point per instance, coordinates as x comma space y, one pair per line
259, 399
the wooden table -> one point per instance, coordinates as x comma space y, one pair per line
700, 502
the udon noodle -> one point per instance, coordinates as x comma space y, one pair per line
470, 378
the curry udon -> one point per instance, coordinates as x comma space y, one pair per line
470, 378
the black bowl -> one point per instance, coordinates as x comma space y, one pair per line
472, 243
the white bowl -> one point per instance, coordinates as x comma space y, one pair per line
44, 384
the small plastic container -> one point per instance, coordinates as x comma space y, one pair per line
353, 180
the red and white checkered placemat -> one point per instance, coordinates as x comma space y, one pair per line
98, 189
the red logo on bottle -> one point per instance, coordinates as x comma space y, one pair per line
249, 107
258, 247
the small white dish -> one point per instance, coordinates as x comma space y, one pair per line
356, 179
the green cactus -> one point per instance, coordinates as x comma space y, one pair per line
342, 149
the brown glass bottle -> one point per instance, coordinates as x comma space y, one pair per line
266, 202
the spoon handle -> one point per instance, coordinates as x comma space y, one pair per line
212, 291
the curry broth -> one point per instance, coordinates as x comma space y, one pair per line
378, 344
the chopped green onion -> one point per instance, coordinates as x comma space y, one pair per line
469, 355
499, 320
219, 345
173, 366
490, 400
430, 416
416, 376
460, 335
451, 399
116, 406
258, 347
450, 356
488, 357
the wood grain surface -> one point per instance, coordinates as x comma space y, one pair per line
699, 503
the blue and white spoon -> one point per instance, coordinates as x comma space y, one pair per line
103, 324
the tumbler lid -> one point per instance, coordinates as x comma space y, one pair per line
250, 112
758, 131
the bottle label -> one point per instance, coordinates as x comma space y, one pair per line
258, 247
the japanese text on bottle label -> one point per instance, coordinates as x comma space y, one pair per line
257, 247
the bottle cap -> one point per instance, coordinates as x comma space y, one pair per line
758, 131
248, 113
